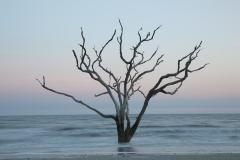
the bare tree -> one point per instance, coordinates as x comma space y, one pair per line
119, 89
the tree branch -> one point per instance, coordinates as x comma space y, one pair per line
190, 57
157, 88
100, 94
43, 84
91, 71
172, 92
119, 39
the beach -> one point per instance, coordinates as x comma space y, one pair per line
124, 156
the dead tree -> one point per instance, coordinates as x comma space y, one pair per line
121, 89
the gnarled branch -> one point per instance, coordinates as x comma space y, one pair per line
85, 61
157, 88
180, 70
43, 84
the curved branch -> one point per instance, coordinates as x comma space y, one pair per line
190, 57
91, 71
194, 70
119, 39
156, 89
114, 33
100, 94
150, 70
43, 84
174, 91
131, 66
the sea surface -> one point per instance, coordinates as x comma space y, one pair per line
91, 134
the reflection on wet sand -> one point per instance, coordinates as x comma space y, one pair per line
126, 149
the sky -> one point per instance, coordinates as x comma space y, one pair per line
36, 38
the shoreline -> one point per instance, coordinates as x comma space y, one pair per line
123, 155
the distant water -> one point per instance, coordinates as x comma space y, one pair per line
82, 134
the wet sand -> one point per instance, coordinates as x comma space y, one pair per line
124, 156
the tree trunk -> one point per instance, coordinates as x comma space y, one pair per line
124, 135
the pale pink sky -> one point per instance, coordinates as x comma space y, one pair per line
37, 38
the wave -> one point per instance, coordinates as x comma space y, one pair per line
68, 128
8, 141
72, 128
166, 133
89, 134
234, 137
183, 126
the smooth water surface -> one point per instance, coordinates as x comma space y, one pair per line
86, 134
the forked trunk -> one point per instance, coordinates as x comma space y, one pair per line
124, 135
123, 138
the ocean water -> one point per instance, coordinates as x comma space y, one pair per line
91, 134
